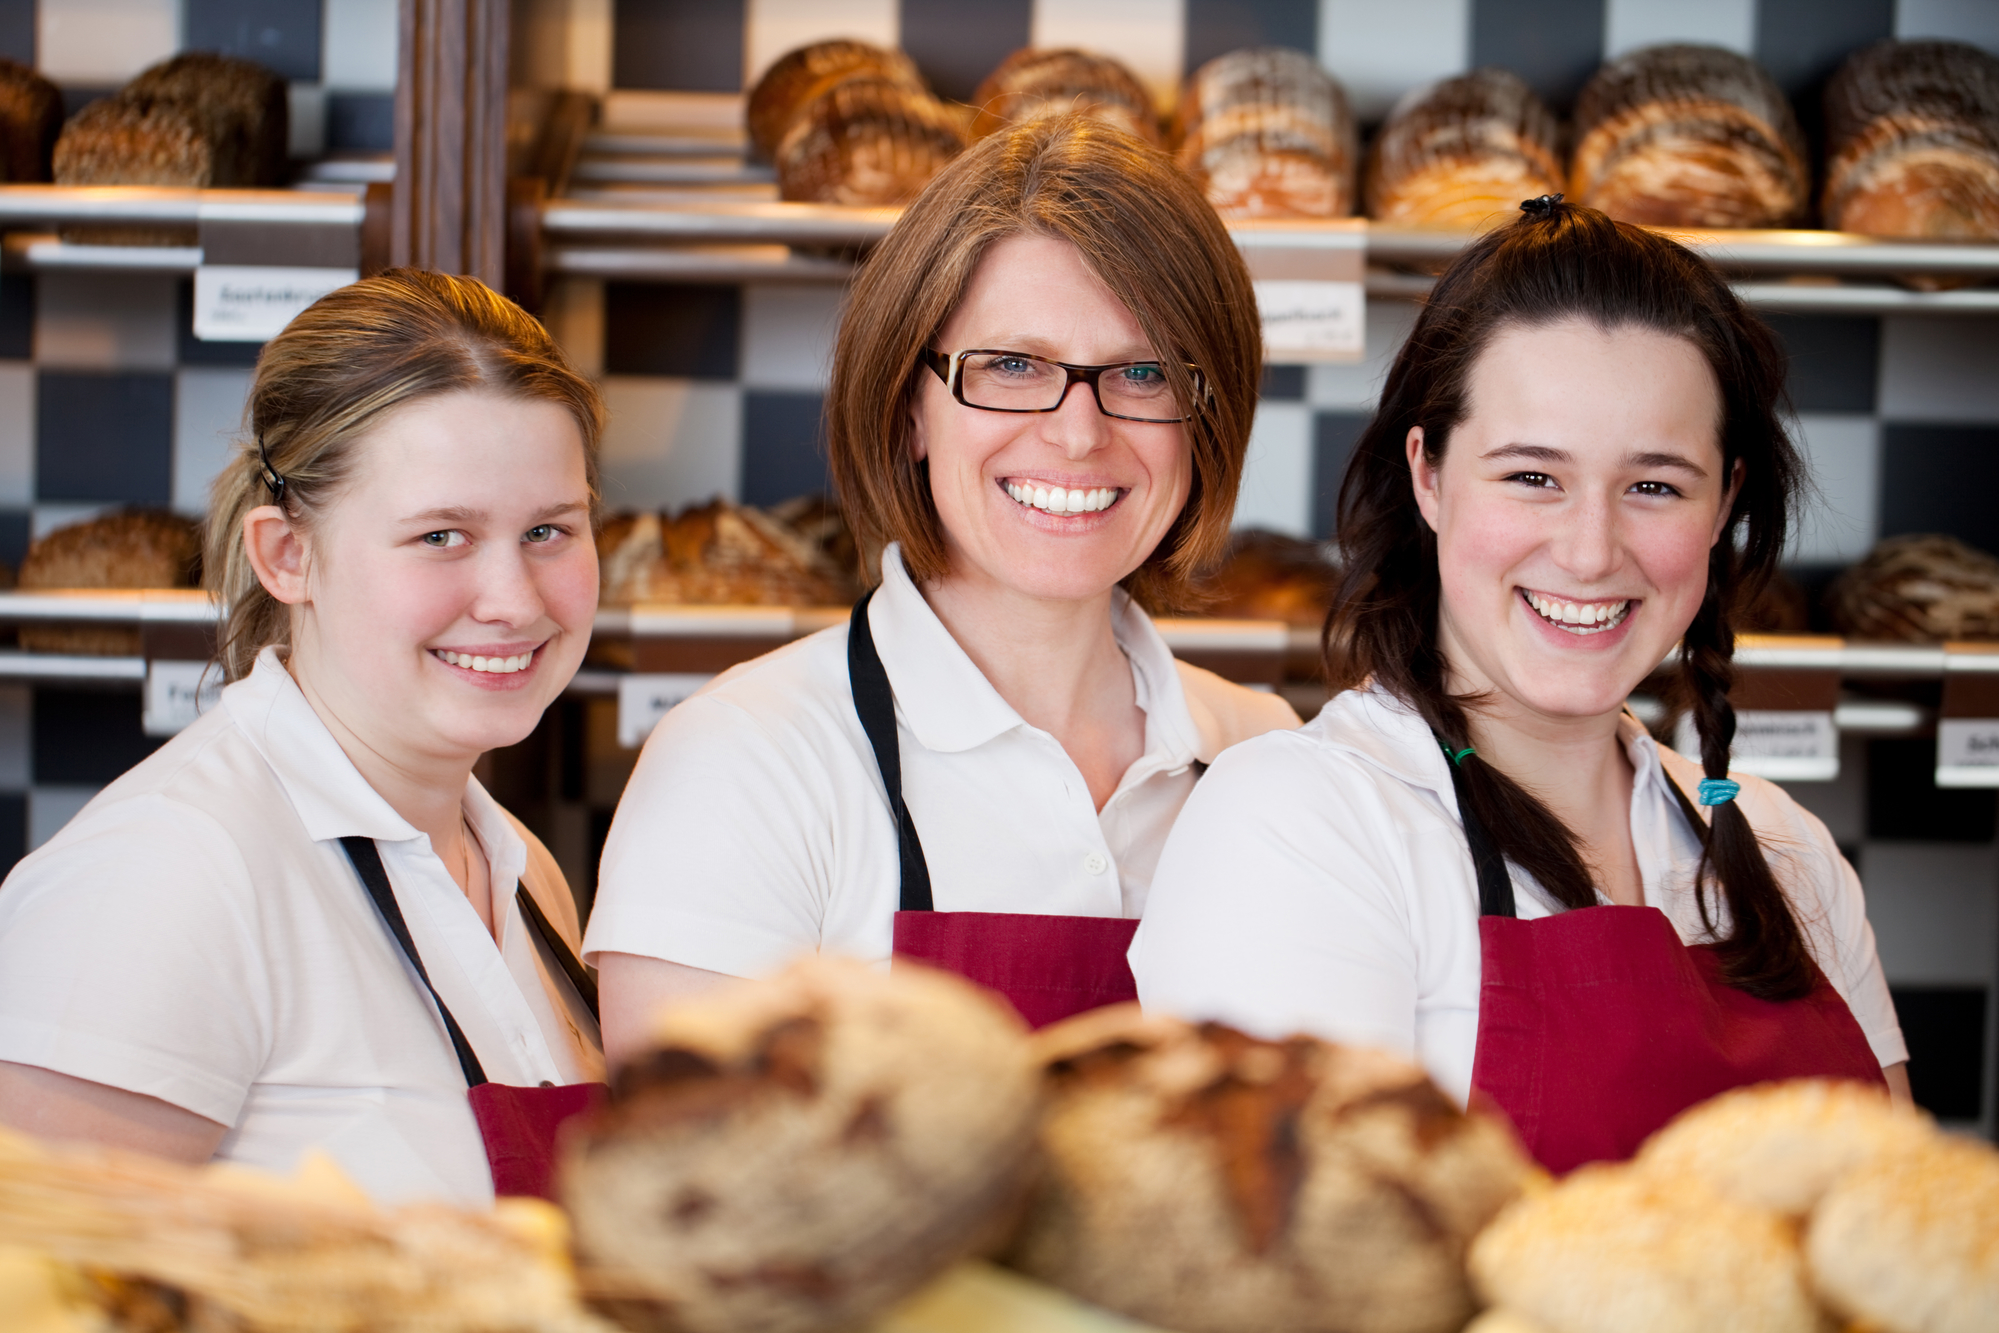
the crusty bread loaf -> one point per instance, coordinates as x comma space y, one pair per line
1269, 576
30, 118
868, 142
195, 121
800, 76
1034, 82
1912, 142
795, 1154
1463, 152
1919, 589
133, 548
1209, 1182
1688, 136
1267, 133
717, 554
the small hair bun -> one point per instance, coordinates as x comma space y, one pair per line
1541, 207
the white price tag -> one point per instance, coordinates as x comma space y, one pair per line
644, 699
1782, 745
1968, 752
234, 303
1312, 320
177, 693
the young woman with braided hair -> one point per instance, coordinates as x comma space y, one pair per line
1474, 854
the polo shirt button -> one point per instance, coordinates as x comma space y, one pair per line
1096, 863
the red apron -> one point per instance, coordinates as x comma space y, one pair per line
517, 1125
1048, 967
1597, 1026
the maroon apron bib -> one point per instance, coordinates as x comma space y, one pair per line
517, 1125
1048, 967
1597, 1026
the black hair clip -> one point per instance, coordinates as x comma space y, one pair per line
1542, 207
272, 477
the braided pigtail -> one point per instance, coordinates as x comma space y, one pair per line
1765, 953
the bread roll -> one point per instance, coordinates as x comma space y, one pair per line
867, 141
1919, 589
1912, 142
1209, 1182
194, 121
799, 1153
1268, 133
134, 548
1688, 136
1463, 152
1033, 82
1911, 1244
800, 76
1611, 1250
30, 118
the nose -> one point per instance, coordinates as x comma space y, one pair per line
507, 592
1076, 427
1588, 543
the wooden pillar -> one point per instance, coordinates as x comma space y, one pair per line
450, 202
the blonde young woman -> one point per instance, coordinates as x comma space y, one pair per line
296, 925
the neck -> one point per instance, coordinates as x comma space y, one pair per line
1569, 762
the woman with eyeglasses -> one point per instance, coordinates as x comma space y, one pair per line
1475, 855
1041, 396
301, 926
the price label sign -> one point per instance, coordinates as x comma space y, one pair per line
240, 303
643, 699
1968, 752
177, 693
1308, 320
1784, 745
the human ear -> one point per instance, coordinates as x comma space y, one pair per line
1735, 476
277, 553
919, 441
1422, 476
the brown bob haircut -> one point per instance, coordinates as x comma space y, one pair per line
1144, 229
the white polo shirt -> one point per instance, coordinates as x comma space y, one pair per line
196, 933
1319, 881
756, 826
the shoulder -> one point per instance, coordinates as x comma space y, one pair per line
802, 686
1778, 819
1226, 713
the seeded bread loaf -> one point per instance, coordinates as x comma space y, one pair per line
30, 118
1463, 152
1267, 133
800, 77
1033, 82
134, 548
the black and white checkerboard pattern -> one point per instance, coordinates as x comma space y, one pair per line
105, 399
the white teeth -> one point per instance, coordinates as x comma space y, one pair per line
1586, 617
1061, 500
494, 666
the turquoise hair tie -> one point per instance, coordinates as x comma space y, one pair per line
1456, 757
1718, 791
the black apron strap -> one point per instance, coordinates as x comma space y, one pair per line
368, 865
572, 966
1495, 886
875, 702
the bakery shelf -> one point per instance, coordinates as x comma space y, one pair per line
55, 667
153, 606
697, 263
36, 251
42, 205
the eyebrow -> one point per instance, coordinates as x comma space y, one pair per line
462, 514
1541, 453
1037, 346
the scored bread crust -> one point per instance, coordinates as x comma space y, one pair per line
1912, 142
1462, 152
1033, 82
1209, 1182
800, 76
1610, 1250
799, 1153
868, 142
1911, 1243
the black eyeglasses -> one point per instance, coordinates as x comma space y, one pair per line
994, 380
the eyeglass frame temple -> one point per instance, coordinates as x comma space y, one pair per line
949, 367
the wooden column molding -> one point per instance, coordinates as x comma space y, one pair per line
450, 203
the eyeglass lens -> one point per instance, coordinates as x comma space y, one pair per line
1017, 382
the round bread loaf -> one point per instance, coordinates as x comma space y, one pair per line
1612, 1250
1912, 142
869, 142
1267, 133
243, 105
799, 1153
1919, 589
1688, 136
1209, 1182
132, 548
1911, 1244
30, 119
1782, 1145
798, 77
1033, 82
1269, 576
1463, 152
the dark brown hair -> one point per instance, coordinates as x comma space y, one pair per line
1564, 263
1144, 229
349, 357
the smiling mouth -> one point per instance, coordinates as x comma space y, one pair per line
1061, 500
492, 666
1577, 617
